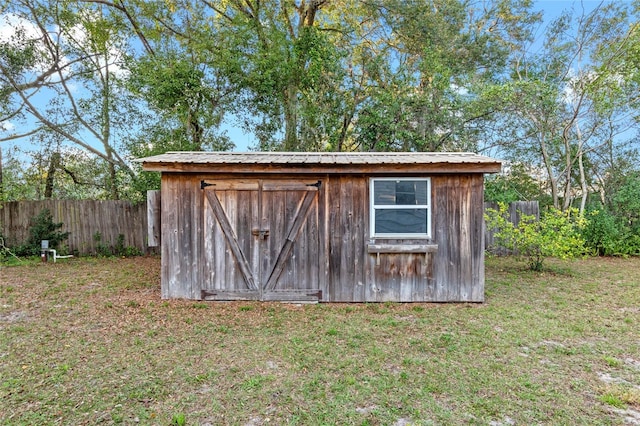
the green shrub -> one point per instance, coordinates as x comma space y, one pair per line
625, 202
42, 228
119, 249
125, 251
102, 249
608, 235
555, 234
601, 233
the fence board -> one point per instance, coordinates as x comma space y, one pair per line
516, 210
83, 219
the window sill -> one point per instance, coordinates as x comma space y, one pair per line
402, 248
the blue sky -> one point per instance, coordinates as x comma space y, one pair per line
551, 9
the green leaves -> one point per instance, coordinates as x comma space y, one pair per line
555, 234
383, 75
517, 185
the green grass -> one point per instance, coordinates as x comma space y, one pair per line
89, 341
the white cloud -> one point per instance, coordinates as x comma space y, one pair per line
7, 126
20, 33
12, 25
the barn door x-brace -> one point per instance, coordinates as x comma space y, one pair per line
275, 266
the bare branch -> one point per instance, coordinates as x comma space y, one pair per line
57, 128
21, 135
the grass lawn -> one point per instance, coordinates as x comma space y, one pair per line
89, 341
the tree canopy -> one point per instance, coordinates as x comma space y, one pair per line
91, 84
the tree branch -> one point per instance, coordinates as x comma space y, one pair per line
60, 130
22, 135
119, 5
217, 10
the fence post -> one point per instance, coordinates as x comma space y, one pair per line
153, 218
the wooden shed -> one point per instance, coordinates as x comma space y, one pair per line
328, 227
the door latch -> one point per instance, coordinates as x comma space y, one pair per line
261, 233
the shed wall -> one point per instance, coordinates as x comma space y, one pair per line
454, 271
349, 277
459, 232
348, 272
182, 221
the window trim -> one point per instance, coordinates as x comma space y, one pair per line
373, 208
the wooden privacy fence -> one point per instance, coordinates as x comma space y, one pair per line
516, 210
85, 220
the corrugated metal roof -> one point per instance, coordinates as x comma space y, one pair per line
319, 158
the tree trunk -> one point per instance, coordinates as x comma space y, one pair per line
346, 122
568, 168
603, 193
54, 164
583, 178
583, 184
106, 130
1, 182
307, 16
291, 118
547, 164
115, 195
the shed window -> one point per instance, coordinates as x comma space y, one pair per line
400, 207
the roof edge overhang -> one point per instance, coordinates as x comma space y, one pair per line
322, 169
320, 163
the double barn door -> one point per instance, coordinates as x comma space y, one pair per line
261, 240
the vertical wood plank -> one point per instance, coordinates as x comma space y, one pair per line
170, 262
194, 211
477, 218
346, 233
459, 261
323, 238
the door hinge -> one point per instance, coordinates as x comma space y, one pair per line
204, 184
317, 184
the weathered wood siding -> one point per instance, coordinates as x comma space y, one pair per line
241, 238
459, 233
354, 274
154, 218
83, 219
450, 268
401, 277
347, 235
332, 249
182, 230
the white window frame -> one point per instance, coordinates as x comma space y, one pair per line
373, 207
